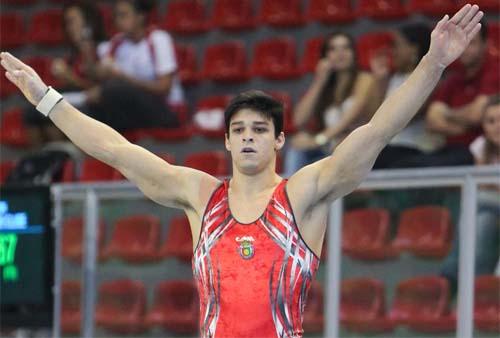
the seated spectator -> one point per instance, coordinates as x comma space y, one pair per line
411, 42
84, 30
486, 150
138, 68
338, 101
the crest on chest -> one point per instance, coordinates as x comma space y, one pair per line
246, 248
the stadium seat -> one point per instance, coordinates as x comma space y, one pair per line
225, 62
12, 129
135, 239
362, 306
14, 24
117, 176
432, 7
46, 27
73, 239
314, 312
5, 169
94, 170
286, 100
121, 306
70, 307
312, 54
381, 9
233, 15
492, 6
275, 59
7, 88
176, 134
331, 11
422, 304
175, 307
208, 119
487, 303
186, 62
281, 13
43, 66
369, 44
425, 231
185, 17
179, 241
107, 19
365, 234
211, 162
494, 39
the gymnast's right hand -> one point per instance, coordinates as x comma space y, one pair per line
24, 77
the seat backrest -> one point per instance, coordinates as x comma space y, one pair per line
184, 11
179, 230
137, 229
424, 222
72, 234
122, 296
70, 295
365, 227
177, 294
369, 44
379, 4
211, 162
273, 8
228, 11
487, 294
95, 170
362, 297
185, 57
275, 52
312, 54
5, 168
223, 55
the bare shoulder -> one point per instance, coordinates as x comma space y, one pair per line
200, 187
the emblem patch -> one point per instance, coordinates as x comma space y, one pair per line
246, 248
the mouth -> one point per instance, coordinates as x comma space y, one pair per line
248, 150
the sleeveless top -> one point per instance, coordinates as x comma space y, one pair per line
252, 279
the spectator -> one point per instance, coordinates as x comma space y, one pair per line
84, 30
411, 42
486, 150
138, 68
338, 101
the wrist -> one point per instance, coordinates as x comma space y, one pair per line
433, 63
48, 101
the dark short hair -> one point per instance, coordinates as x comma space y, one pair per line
259, 102
141, 6
417, 34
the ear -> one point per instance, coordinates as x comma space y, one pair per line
226, 142
279, 141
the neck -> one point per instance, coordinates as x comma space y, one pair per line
252, 185
138, 34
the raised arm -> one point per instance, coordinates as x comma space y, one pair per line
162, 182
351, 161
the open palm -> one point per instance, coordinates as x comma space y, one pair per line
451, 36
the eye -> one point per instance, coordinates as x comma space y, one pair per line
260, 130
237, 130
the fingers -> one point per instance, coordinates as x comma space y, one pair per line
473, 23
468, 16
460, 14
442, 23
14, 63
474, 31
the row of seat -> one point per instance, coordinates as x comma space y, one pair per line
421, 304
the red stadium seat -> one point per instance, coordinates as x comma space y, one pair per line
425, 231
286, 100
492, 6
94, 170
381, 9
281, 13
46, 27
175, 308
179, 241
422, 304
12, 130
14, 24
312, 54
487, 303
5, 169
70, 307
117, 176
331, 11
225, 62
432, 7
73, 239
362, 306
186, 62
233, 15
185, 17
121, 306
107, 19
211, 162
7, 88
369, 44
43, 66
365, 234
135, 239
208, 119
314, 312
275, 59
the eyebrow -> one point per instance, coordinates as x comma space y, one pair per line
254, 123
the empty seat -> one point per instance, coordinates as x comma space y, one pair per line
43, 66
425, 231
7, 88
70, 307
73, 238
175, 307
179, 241
135, 239
312, 54
12, 129
187, 65
432, 7
233, 15
208, 119
487, 303
14, 24
5, 169
185, 17
365, 234
369, 44
121, 306
225, 62
275, 59
281, 13
422, 304
381, 9
362, 306
46, 27
314, 312
94, 170
331, 11
211, 162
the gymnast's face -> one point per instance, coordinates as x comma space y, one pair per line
252, 142
491, 124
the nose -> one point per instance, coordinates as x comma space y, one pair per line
247, 136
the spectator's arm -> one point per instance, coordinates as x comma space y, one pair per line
469, 114
437, 121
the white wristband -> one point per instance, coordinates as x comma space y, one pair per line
48, 101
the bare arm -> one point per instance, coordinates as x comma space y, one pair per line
469, 114
436, 120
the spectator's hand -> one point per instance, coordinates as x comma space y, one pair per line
60, 69
379, 65
108, 69
324, 68
93, 94
303, 141
24, 77
451, 36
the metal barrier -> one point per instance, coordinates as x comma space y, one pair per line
467, 178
